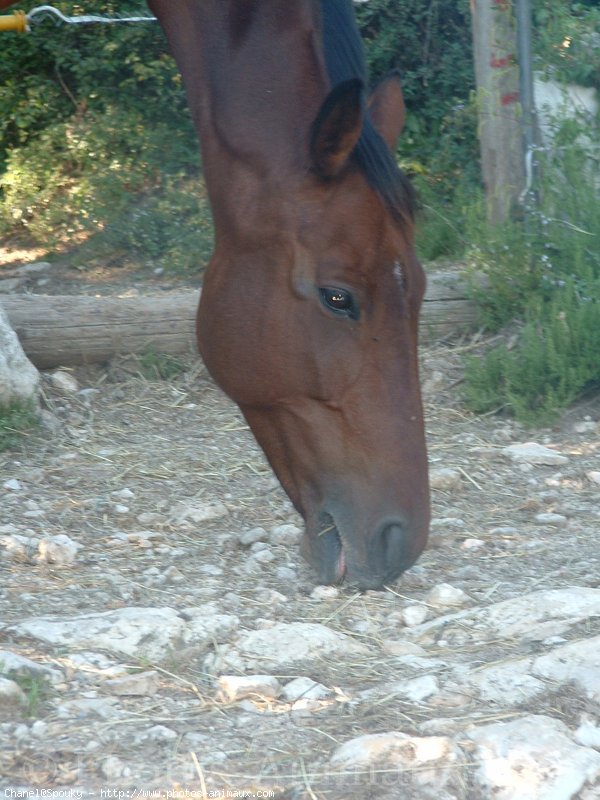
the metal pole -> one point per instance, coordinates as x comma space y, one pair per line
523, 14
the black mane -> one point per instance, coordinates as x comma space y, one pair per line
344, 57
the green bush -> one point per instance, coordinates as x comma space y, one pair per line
95, 124
553, 362
15, 421
567, 40
544, 270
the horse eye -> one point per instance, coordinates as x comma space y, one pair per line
339, 300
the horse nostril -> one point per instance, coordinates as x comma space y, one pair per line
393, 548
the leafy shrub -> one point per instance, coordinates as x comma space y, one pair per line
567, 40
15, 420
545, 270
96, 121
554, 360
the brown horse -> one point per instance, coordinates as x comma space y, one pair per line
309, 312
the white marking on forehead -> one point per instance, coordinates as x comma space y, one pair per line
398, 273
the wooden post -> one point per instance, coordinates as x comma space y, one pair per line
497, 77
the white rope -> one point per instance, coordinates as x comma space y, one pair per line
50, 11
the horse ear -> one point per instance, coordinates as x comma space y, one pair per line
337, 128
386, 107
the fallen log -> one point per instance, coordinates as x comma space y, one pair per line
66, 330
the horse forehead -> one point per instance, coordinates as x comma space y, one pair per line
356, 233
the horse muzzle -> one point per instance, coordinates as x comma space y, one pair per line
359, 557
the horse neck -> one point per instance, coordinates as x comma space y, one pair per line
255, 78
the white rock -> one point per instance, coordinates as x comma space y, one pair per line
594, 476
265, 556
201, 512
158, 733
435, 382
303, 688
11, 693
415, 615
504, 530
430, 762
400, 647
286, 574
529, 616
445, 479
289, 643
510, 682
12, 485
140, 684
59, 550
64, 382
136, 632
232, 688
207, 624
554, 520
472, 544
588, 733
275, 598
248, 538
39, 728
440, 523
103, 707
96, 664
446, 596
123, 494
12, 664
533, 453
320, 593
18, 548
532, 757
578, 662
112, 768
532, 617
35, 267
418, 689
19, 379
286, 534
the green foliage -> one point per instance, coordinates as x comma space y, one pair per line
430, 44
554, 360
170, 227
160, 366
567, 40
448, 185
16, 420
37, 692
546, 271
95, 120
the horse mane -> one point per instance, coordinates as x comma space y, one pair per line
345, 59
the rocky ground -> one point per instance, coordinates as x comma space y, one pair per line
161, 636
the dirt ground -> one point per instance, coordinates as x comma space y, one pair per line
115, 467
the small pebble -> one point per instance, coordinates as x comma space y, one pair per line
414, 615
325, 593
60, 550
445, 479
446, 596
248, 538
64, 382
555, 520
232, 688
